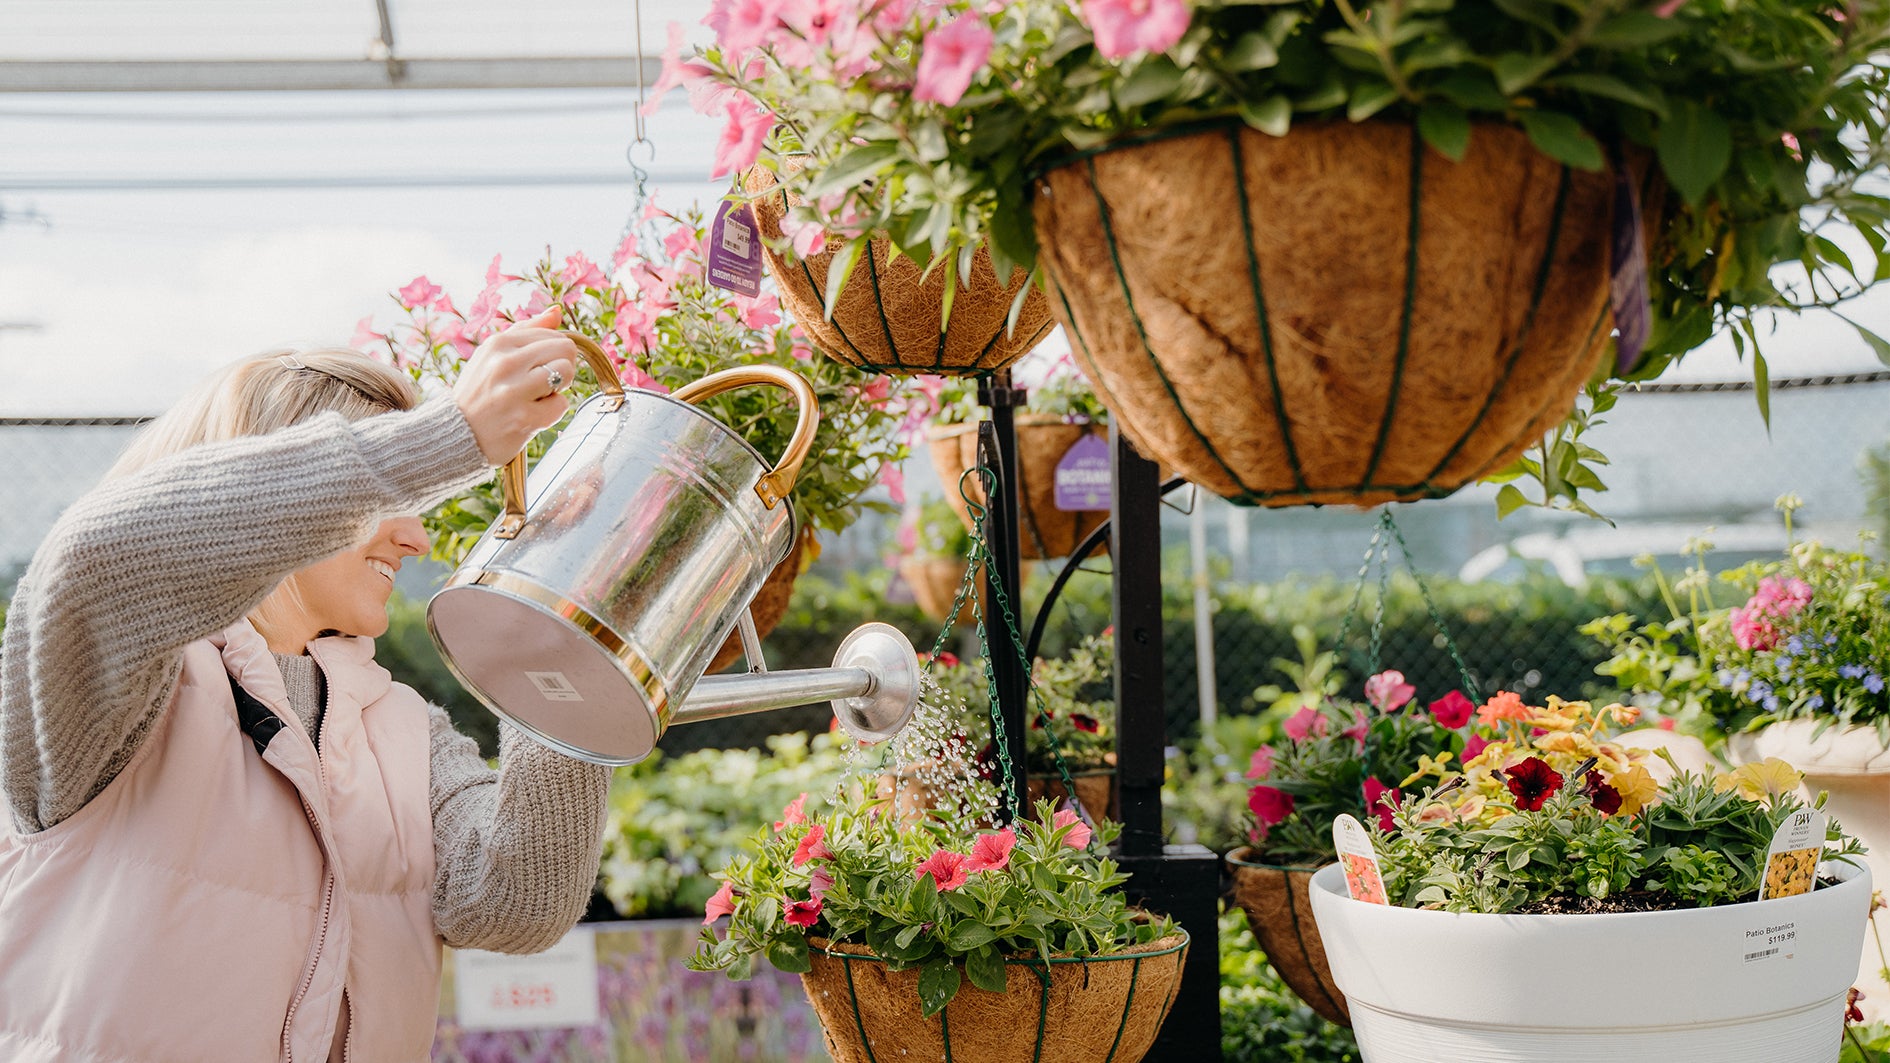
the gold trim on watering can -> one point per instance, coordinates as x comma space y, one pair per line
635, 667
512, 474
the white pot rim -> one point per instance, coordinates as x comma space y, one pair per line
1842, 749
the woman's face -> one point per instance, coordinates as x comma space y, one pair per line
348, 592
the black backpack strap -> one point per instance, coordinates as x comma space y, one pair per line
255, 718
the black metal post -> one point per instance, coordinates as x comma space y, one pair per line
997, 450
1180, 880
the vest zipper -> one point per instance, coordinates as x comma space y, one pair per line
321, 938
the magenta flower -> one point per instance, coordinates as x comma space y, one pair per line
894, 478
1079, 835
946, 868
795, 812
419, 293
1533, 782
723, 903
1453, 710
1304, 723
1261, 765
1387, 691
746, 127
1751, 630
991, 852
812, 847
742, 24
1359, 729
1472, 746
1269, 805
803, 913
1381, 801
1125, 27
949, 57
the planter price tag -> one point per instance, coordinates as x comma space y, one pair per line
1791, 863
1082, 476
735, 250
555, 988
1363, 880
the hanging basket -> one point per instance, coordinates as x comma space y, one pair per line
1044, 531
1339, 315
1105, 1009
1095, 789
935, 582
887, 319
770, 603
1279, 911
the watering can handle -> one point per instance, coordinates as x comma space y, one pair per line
512, 474
779, 481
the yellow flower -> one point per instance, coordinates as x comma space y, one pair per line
1625, 715
1759, 782
1429, 765
1637, 787
1573, 743
1552, 721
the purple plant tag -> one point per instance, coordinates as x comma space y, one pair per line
1628, 271
735, 250
1083, 475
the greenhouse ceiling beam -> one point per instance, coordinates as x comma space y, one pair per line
308, 75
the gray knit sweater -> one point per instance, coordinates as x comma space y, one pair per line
144, 565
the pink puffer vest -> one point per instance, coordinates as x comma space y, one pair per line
213, 904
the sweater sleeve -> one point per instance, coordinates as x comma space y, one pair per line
515, 850
143, 565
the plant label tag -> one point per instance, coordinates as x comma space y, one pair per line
1363, 880
554, 989
1083, 474
1791, 863
735, 250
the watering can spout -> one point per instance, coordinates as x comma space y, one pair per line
873, 685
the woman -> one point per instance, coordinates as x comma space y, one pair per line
229, 835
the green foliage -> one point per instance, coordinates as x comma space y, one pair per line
675, 820
1866, 1044
937, 531
1053, 895
1875, 467
1261, 1020
1204, 791
665, 326
1073, 709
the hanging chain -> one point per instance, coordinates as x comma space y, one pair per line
1450, 643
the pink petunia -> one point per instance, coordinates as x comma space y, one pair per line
1473, 745
1306, 723
1125, 27
1752, 631
808, 237
795, 812
1361, 726
812, 847
1269, 805
1261, 765
723, 903
1387, 691
676, 70
819, 883
1453, 709
1381, 801
419, 293
743, 24
581, 272
364, 334
747, 126
803, 913
763, 311
949, 57
894, 478
946, 868
992, 851
1079, 835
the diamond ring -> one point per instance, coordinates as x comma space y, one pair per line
553, 378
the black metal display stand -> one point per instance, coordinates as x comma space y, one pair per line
1180, 880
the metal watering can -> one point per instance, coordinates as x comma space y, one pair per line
588, 612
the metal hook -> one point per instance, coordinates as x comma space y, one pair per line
986, 480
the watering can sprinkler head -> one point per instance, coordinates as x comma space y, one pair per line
873, 686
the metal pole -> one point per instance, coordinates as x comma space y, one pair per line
997, 450
1206, 695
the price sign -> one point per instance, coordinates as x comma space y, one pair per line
555, 988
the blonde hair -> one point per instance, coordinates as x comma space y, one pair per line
265, 393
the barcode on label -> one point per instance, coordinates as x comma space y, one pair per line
554, 686
1760, 955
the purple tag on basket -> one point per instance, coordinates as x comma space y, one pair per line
1628, 271
1082, 478
735, 250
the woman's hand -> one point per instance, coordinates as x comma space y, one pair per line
513, 385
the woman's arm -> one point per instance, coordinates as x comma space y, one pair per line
142, 566
515, 850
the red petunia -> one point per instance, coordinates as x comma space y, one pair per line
1533, 782
946, 868
1606, 799
1086, 724
812, 847
1269, 805
1079, 835
723, 903
1453, 709
1381, 801
803, 913
992, 851
793, 813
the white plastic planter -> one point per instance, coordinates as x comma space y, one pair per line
1692, 986
1852, 765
